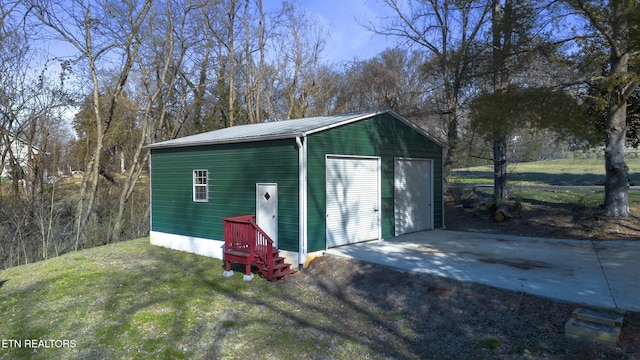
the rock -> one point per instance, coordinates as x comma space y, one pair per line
596, 325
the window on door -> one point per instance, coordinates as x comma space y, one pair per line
200, 185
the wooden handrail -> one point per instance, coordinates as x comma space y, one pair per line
242, 234
263, 245
238, 234
246, 243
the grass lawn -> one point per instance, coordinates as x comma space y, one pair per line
550, 172
578, 200
132, 300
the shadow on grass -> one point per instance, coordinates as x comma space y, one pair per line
570, 199
291, 318
150, 309
555, 205
2, 282
563, 179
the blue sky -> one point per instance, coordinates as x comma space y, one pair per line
345, 19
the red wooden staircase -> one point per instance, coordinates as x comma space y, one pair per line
246, 243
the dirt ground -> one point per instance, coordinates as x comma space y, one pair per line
439, 318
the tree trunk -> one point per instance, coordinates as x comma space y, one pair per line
261, 67
617, 172
501, 22
89, 186
250, 72
452, 139
500, 193
231, 63
150, 122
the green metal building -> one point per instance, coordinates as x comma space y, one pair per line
313, 183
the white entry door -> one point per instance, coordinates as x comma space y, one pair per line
413, 198
267, 209
353, 200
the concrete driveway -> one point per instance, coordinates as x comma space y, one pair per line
596, 273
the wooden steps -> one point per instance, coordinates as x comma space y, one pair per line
277, 270
246, 243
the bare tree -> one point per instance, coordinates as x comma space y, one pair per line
222, 19
299, 43
253, 74
448, 30
30, 103
16, 93
187, 104
100, 35
157, 77
393, 79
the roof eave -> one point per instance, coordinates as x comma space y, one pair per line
291, 135
380, 112
345, 122
225, 141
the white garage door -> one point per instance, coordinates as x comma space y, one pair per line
413, 198
353, 200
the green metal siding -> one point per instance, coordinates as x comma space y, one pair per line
234, 170
382, 136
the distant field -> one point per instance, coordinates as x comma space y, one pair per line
550, 172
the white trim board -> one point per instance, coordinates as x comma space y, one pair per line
201, 246
190, 244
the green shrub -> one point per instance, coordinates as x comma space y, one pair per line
490, 343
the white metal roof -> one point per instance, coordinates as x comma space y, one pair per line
279, 130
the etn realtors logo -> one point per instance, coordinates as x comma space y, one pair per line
37, 344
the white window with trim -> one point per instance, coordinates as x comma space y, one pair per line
200, 185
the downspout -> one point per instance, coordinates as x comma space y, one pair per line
301, 141
444, 184
150, 194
